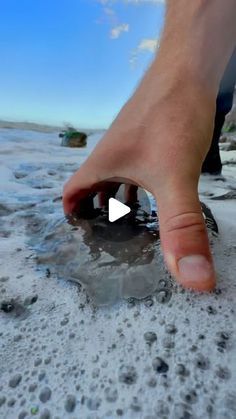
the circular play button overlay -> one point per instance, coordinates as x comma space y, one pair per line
119, 221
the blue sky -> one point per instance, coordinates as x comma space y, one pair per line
74, 61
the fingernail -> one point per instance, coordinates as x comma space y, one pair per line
195, 268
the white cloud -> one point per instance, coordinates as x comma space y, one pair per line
118, 30
148, 44
145, 45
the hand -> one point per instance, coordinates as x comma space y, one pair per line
159, 142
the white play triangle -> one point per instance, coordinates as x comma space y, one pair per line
117, 210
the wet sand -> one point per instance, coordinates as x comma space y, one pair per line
91, 330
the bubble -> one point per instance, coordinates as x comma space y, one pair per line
150, 337
94, 404
111, 394
159, 365
127, 374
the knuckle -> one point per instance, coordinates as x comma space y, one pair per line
187, 221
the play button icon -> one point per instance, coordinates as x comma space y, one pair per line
117, 210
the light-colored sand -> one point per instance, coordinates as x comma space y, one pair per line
172, 355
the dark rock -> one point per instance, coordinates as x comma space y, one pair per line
15, 381
72, 138
70, 403
45, 395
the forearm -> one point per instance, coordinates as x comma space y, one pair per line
197, 41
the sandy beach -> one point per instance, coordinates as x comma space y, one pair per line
87, 335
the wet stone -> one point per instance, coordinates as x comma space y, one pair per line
2, 400
45, 414
45, 395
4, 278
41, 376
32, 387
37, 362
22, 415
159, 365
150, 337
15, 381
70, 403
127, 374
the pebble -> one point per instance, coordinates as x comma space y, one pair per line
45, 414
45, 394
70, 403
32, 387
15, 381
22, 415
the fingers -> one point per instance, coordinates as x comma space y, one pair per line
184, 237
131, 194
82, 187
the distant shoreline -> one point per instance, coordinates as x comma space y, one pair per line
33, 126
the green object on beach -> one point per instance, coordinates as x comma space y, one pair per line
34, 410
229, 127
73, 138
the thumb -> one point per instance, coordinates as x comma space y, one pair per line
184, 236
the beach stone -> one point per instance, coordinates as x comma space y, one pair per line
15, 381
23, 414
74, 139
45, 394
70, 403
45, 414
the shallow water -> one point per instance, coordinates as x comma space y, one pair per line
108, 269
